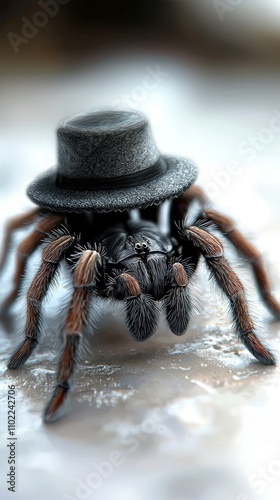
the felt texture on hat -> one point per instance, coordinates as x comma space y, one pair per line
181, 174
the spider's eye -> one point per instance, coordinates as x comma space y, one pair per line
144, 245
146, 239
138, 246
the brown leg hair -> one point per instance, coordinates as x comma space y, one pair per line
16, 223
227, 226
84, 279
227, 280
180, 207
25, 249
51, 258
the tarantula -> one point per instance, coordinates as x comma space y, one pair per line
112, 256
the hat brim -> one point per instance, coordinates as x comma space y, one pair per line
181, 174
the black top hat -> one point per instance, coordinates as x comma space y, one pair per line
108, 161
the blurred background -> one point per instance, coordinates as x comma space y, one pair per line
206, 72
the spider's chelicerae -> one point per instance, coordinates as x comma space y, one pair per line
133, 262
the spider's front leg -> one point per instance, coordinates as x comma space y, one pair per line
212, 250
227, 226
84, 282
43, 227
51, 258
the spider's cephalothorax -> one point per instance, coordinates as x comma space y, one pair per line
112, 255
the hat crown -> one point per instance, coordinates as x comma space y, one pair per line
105, 144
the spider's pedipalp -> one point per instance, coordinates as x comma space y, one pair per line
227, 226
229, 282
25, 249
177, 301
85, 279
141, 311
51, 258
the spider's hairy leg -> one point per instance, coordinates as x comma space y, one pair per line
52, 255
25, 249
16, 223
177, 302
84, 281
212, 250
227, 226
141, 311
180, 206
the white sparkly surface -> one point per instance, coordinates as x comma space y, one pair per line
194, 417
